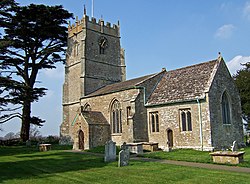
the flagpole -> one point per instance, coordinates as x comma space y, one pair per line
92, 8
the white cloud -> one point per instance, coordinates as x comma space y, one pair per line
225, 31
246, 10
235, 63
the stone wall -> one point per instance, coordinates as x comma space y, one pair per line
98, 135
224, 135
103, 104
169, 118
69, 113
80, 124
86, 69
140, 128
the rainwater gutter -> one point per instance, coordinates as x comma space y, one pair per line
200, 120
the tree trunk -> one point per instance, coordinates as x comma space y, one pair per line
25, 129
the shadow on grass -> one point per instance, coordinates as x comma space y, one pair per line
46, 164
17, 150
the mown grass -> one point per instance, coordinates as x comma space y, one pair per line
190, 155
28, 165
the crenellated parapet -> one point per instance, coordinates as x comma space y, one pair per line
93, 24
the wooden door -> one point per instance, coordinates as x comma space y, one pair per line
81, 140
170, 138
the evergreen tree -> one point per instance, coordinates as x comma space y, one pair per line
34, 38
242, 80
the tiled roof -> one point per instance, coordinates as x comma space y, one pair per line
120, 86
184, 84
94, 118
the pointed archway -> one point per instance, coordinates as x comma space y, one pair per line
170, 140
81, 140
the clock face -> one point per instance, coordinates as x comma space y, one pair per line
103, 42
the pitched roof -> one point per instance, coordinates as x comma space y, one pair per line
94, 118
120, 86
184, 84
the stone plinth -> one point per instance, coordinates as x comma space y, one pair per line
150, 146
135, 148
44, 147
227, 157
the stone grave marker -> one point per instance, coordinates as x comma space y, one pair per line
123, 156
110, 151
234, 146
28, 143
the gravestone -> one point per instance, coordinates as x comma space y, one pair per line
234, 146
110, 151
124, 146
124, 155
28, 143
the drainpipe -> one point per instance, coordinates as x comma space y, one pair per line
200, 120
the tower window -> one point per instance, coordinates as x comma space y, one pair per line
154, 121
225, 107
186, 120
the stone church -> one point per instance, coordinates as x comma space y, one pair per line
192, 107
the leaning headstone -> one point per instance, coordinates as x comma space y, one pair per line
110, 151
234, 146
123, 158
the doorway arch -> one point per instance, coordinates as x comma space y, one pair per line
170, 140
81, 139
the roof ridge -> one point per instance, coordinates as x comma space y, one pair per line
149, 77
194, 65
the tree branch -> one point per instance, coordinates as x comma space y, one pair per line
15, 115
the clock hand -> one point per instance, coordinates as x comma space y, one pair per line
104, 41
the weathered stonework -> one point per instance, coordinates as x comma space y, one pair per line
95, 79
227, 157
223, 135
169, 118
86, 69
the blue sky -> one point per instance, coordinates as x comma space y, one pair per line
155, 34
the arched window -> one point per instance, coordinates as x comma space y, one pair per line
225, 107
186, 120
116, 119
183, 120
157, 122
189, 121
154, 120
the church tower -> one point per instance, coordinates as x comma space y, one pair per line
94, 59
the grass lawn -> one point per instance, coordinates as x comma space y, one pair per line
193, 156
28, 165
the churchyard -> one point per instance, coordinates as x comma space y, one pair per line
20, 164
